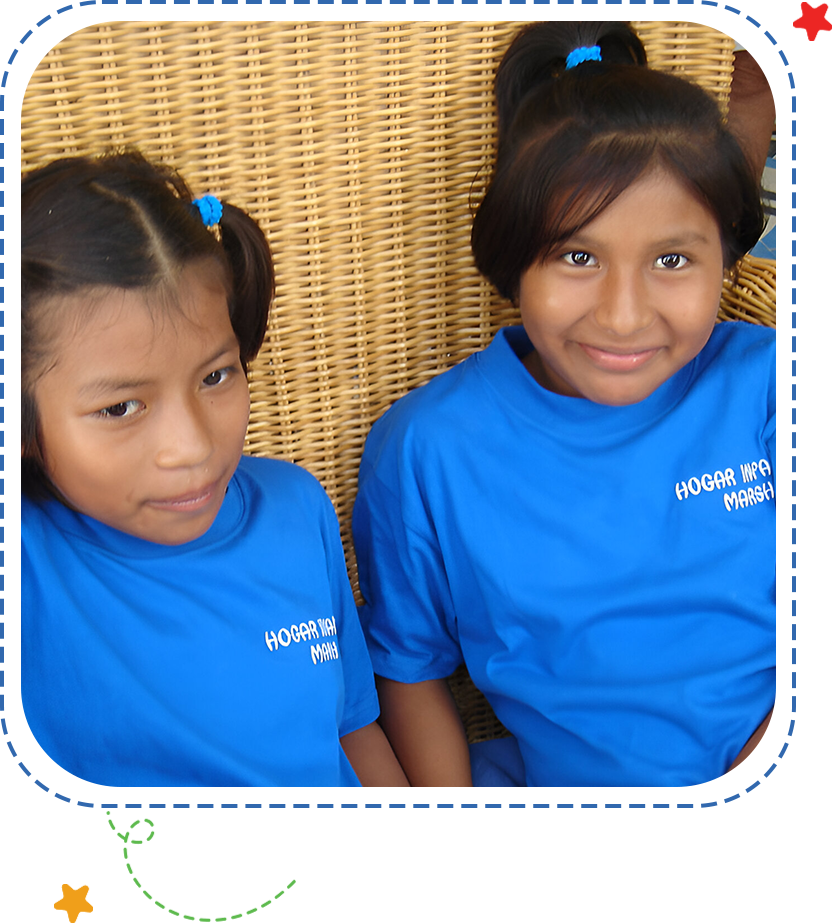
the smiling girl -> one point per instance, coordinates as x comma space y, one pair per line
584, 512
186, 613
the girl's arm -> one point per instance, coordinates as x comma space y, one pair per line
754, 758
424, 728
370, 755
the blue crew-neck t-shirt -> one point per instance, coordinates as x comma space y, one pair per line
606, 573
235, 659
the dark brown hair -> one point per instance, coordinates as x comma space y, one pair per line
570, 141
119, 221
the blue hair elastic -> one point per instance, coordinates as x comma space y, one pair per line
210, 209
579, 55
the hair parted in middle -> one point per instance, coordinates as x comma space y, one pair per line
571, 140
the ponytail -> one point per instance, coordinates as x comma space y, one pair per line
252, 278
539, 52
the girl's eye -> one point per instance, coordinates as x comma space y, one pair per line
217, 377
122, 410
671, 261
579, 258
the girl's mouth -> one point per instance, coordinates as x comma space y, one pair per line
186, 503
618, 361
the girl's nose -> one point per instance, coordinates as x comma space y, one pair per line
624, 307
184, 439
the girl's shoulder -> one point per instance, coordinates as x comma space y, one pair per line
737, 368
433, 414
740, 336
276, 472
39, 514
279, 480
737, 348
449, 399
282, 501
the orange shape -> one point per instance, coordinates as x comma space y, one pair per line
100, 904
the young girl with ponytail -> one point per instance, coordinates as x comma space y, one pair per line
186, 613
584, 512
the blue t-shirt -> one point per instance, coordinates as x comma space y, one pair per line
235, 659
606, 573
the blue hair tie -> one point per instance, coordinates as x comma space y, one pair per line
210, 209
579, 55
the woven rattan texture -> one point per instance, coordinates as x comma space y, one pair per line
360, 148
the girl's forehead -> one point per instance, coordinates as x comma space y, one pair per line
170, 300
579, 209
84, 326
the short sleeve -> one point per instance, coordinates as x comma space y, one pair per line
408, 617
360, 699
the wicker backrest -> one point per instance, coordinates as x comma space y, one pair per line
360, 148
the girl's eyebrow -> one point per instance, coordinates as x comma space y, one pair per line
583, 240
230, 345
683, 240
110, 385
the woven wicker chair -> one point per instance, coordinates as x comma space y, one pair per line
361, 149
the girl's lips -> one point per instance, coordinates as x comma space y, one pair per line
618, 362
187, 503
